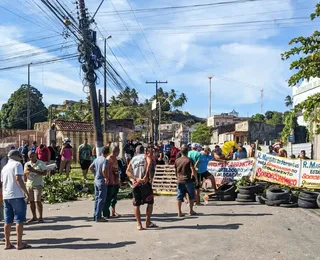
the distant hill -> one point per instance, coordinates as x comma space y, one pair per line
183, 117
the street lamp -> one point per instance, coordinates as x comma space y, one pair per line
105, 83
210, 78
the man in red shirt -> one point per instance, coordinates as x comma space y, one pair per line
173, 153
43, 153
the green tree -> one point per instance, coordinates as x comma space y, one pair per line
201, 134
276, 118
257, 118
14, 112
306, 66
268, 115
288, 101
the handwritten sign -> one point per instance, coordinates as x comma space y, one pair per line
277, 170
310, 174
231, 170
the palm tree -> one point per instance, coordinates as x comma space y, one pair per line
288, 101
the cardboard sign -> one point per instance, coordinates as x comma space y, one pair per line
277, 170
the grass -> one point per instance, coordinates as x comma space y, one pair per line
76, 175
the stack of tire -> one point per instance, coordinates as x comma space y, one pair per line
279, 197
226, 192
308, 199
247, 193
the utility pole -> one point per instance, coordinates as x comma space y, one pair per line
156, 122
210, 78
105, 85
28, 100
87, 44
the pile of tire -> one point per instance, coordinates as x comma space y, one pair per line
226, 192
279, 197
308, 199
247, 193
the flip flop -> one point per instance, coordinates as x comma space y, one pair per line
102, 220
193, 213
31, 220
11, 247
181, 216
24, 246
152, 225
140, 228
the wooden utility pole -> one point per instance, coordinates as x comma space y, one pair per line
156, 121
28, 101
87, 43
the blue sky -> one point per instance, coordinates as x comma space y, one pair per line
183, 46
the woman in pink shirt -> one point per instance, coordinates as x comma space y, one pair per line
66, 158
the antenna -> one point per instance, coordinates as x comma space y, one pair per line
261, 100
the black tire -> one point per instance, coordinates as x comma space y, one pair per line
260, 200
278, 194
289, 205
227, 188
318, 201
273, 203
244, 200
245, 196
306, 204
227, 198
312, 200
309, 194
248, 189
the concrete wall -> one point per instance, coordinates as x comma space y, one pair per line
263, 132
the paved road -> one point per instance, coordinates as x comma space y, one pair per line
222, 230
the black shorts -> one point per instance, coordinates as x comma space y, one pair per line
204, 175
85, 164
142, 194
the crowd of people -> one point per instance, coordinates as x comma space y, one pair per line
23, 170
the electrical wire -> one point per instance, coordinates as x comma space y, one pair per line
133, 39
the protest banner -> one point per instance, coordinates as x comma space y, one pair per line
277, 170
310, 174
231, 170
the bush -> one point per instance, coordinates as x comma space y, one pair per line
57, 190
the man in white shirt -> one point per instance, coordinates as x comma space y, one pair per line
14, 193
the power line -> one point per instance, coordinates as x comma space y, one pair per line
133, 38
145, 38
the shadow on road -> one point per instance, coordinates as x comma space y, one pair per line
54, 227
85, 245
202, 227
57, 241
66, 218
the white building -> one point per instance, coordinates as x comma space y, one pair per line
303, 91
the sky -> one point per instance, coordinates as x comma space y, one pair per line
238, 44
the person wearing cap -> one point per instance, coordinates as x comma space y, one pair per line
34, 170
14, 193
138, 171
194, 155
99, 168
202, 165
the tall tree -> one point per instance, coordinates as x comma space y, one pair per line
14, 112
257, 118
268, 115
307, 48
288, 101
201, 134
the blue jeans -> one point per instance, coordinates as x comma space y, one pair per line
184, 188
100, 194
15, 209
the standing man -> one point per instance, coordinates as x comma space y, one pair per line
173, 153
35, 170
24, 151
113, 184
99, 168
194, 155
84, 155
185, 173
43, 153
14, 192
138, 171
34, 146
202, 165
